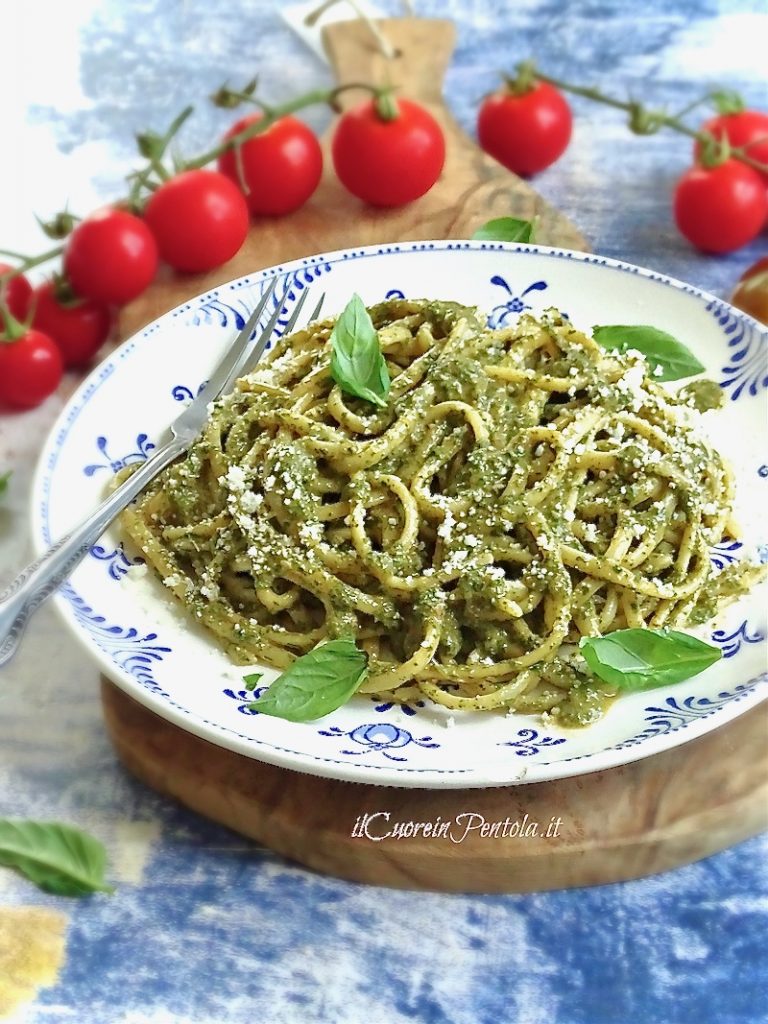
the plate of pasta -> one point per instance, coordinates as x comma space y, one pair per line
496, 517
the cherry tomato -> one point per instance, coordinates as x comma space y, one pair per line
281, 167
17, 293
199, 219
525, 132
720, 208
388, 162
111, 257
748, 128
30, 369
79, 327
751, 293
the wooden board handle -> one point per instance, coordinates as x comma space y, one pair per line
424, 48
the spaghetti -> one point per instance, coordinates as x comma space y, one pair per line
522, 488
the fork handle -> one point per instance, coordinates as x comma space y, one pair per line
40, 579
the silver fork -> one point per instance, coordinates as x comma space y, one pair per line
40, 579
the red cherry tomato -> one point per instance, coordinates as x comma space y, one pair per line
748, 129
720, 208
751, 292
111, 257
17, 293
281, 167
525, 132
388, 162
199, 219
79, 327
30, 370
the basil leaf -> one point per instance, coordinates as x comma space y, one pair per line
659, 348
316, 684
57, 858
357, 363
506, 229
253, 680
4, 478
640, 659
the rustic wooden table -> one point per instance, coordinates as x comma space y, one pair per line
204, 927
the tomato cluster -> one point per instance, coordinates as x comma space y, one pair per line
720, 204
385, 151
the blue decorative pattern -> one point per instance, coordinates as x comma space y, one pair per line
118, 563
407, 709
721, 555
530, 742
514, 305
731, 642
245, 698
675, 714
181, 393
379, 738
143, 447
235, 313
747, 366
128, 649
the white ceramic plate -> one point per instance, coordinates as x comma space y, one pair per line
139, 638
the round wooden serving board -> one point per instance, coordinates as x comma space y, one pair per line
645, 817
630, 821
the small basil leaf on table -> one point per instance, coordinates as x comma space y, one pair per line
506, 229
316, 684
4, 478
663, 352
357, 362
640, 659
253, 680
57, 858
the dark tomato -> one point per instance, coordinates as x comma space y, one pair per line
199, 219
30, 370
751, 293
748, 129
280, 168
720, 208
17, 293
388, 162
525, 133
79, 327
111, 257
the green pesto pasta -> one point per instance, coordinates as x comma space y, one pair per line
522, 488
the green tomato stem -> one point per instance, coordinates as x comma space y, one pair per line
329, 97
644, 121
27, 262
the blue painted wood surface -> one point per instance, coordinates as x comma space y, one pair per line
203, 928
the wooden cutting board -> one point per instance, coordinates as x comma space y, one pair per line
623, 823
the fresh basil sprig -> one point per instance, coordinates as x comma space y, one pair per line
357, 363
660, 349
57, 858
640, 659
316, 684
506, 229
4, 478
